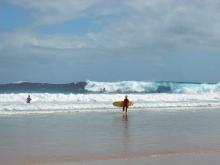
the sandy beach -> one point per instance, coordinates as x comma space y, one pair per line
140, 137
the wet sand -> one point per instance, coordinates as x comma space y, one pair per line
183, 159
154, 138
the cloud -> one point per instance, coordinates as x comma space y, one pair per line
160, 26
141, 36
47, 12
24, 40
168, 24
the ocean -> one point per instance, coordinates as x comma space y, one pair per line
98, 96
76, 124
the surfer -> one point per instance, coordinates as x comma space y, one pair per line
28, 100
126, 103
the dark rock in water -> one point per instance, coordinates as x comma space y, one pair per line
163, 89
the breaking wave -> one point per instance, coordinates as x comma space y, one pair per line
152, 87
112, 87
98, 96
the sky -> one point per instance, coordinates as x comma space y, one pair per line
109, 40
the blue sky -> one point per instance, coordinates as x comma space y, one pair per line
76, 40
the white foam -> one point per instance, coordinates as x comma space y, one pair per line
199, 88
123, 86
151, 87
51, 103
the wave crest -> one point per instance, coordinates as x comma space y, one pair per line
151, 87
111, 87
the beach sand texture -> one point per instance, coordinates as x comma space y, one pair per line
148, 137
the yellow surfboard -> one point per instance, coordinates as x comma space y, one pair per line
121, 103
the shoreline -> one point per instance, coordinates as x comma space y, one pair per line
107, 110
199, 159
111, 138
159, 157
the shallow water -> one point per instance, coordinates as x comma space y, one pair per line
13, 104
91, 136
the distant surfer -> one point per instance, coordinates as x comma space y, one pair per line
28, 100
126, 104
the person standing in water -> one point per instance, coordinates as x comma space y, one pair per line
28, 100
126, 104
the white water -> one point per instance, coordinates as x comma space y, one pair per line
58, 103
123, 86
151, 87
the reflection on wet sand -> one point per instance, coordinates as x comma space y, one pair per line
125, 117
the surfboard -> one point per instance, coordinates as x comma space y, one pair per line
121, 103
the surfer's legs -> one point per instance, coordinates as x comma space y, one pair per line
126, 109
